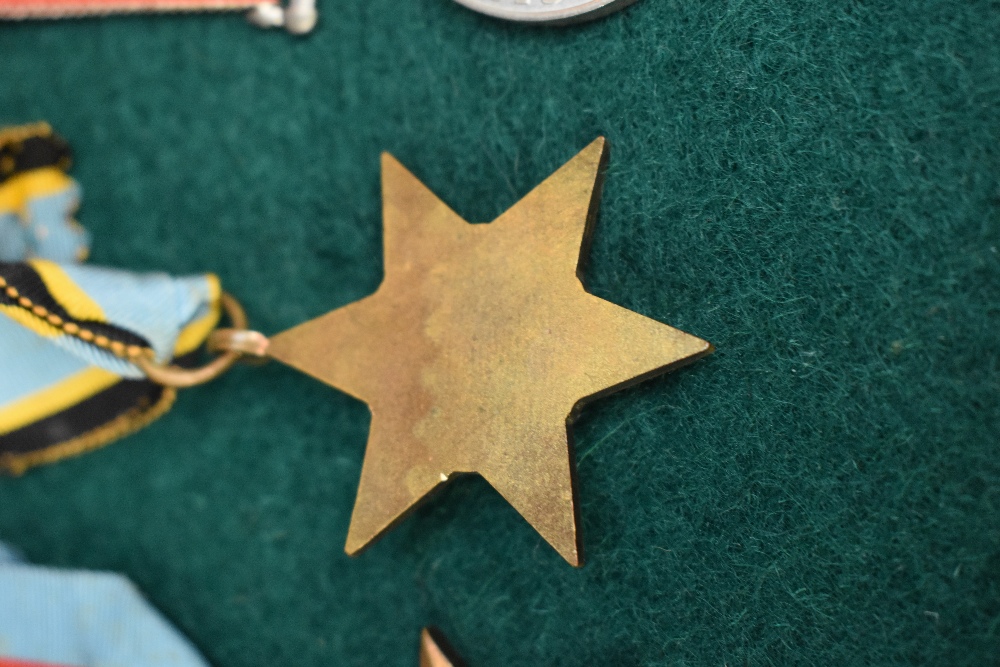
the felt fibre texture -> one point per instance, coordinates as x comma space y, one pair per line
812, 187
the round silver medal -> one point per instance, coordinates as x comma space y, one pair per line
546, 11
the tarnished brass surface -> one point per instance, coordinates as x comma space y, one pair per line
478, 348
435, 652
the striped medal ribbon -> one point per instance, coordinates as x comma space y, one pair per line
73, 336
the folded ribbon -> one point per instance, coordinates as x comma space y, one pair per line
68, 331
66, 618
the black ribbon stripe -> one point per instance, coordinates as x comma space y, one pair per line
23, 277
82, 418
34, 152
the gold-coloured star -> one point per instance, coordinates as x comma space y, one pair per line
478, 349
435, 651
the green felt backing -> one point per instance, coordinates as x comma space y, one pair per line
813, 187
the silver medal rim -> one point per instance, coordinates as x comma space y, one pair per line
582, 12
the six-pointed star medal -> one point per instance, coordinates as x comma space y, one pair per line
478, 348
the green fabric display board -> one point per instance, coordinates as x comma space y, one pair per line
812, 187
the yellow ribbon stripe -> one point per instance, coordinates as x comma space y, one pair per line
60, 396
193, 335
16, 192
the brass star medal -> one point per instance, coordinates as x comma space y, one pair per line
435, 651
478, 349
